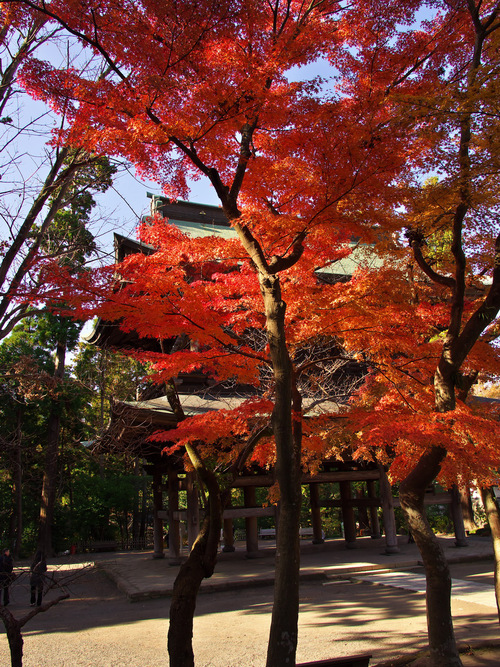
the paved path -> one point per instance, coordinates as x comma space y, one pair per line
140, 576
466, 591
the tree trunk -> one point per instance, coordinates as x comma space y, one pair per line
136, 510
144, 511
17, 489
18, 501
13, 628
442, 644
199, 565
51, 460
284, 623
49, 485
493, 517
14, 635
203, 556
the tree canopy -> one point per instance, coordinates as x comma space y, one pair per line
305, 172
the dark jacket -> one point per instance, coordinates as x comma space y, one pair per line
38, 567
6, 567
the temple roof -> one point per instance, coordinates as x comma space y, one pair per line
201, 220
193, 218
197, 404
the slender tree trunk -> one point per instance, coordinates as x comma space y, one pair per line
136, 508
13, 628
199, 565
124, 527
103, 359
69, 474
287, 435
16, 531
442, 643
18, 502
144, 510
14, 636
493, 517
203, 555
202, 558
51, 460
49, 485
284, 623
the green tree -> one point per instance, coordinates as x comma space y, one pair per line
26, 386
71, 242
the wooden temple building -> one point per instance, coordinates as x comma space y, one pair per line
361, 506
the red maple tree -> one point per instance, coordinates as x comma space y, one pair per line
299, 174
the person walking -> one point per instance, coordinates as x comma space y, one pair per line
6, 567
38, 569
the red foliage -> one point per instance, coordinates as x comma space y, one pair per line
204, 90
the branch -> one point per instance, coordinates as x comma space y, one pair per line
411, 70
247, 133
94, 42
44, 607
212, 173
416, 241
251, 443
482, 317
465, 181
23, 51
9, 322
50, 185
252, 246
321, 360
278, 264
53, 183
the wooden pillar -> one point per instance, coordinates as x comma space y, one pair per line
157, 508
374, 521
391, 537
348, 515
250, 500
174, 538
228, 536
228, 533
193, 510
458, 518
363, 520
316, 513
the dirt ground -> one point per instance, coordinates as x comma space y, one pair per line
99, 627
487, 657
